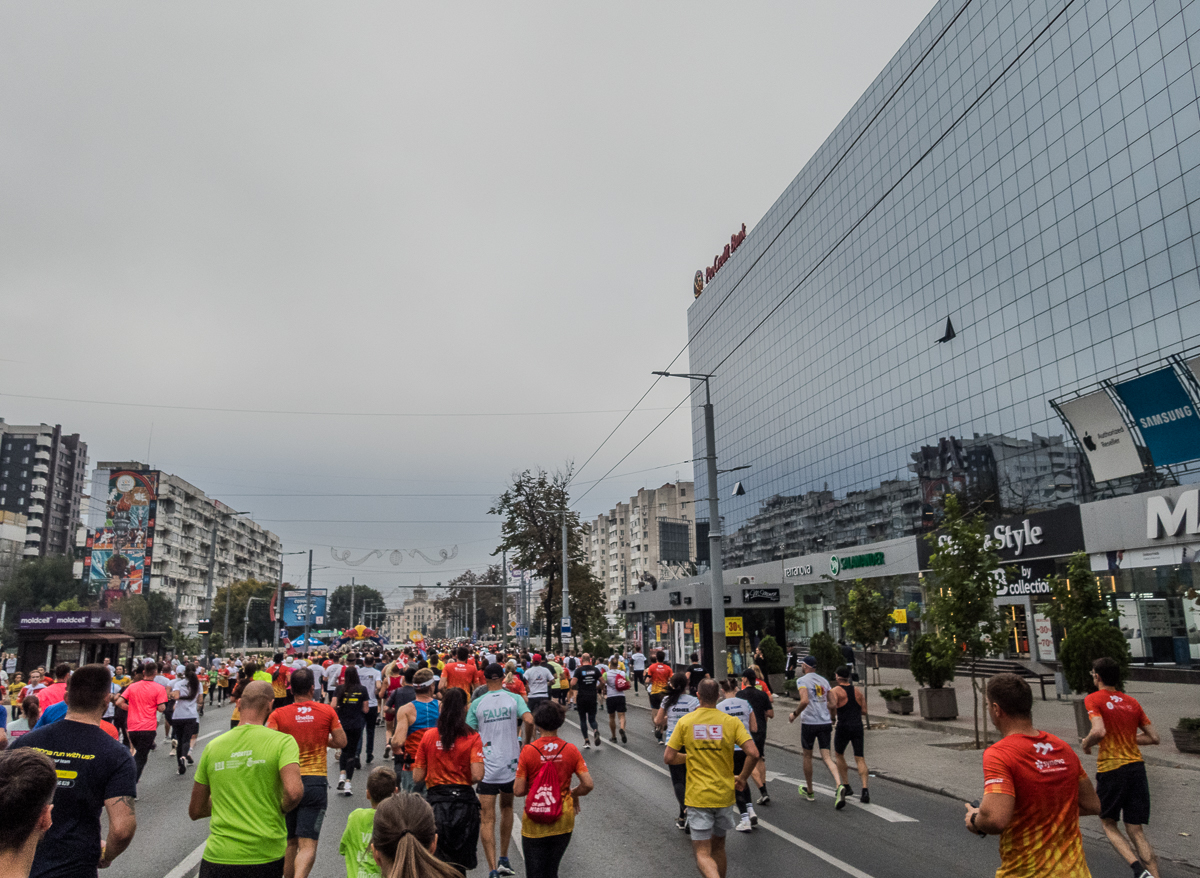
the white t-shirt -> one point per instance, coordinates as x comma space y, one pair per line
333, 674
681, 708
369, 677
163, 681
639, 662
610, 682
111, 710
318, 673
739, 708
497, 718
185, 709
817, 711
538, 680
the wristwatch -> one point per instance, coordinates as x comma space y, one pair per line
975, 828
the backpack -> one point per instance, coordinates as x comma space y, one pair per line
622, 683
543, 802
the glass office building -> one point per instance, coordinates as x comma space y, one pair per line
1009, 215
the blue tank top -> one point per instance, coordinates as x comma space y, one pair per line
427, 715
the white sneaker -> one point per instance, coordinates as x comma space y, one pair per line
346, 791
750, 813
341, 783
744, 826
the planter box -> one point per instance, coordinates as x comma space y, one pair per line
901, 706
1186, 741
938, 703
1083, 725
778, 684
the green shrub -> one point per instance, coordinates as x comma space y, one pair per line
1087, 641
1189, 724
825, 650
773, 658
894, 694
932, 661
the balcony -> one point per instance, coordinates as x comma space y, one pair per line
41, 454
36, 509
45, 440
41, 468
37, 495
30, 552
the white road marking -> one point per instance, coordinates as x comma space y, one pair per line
787, 836
878, 810
188, 863
210, 735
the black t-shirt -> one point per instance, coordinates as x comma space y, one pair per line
349, 706
760, 704
587, 676
401, 696
92, 768
695, 674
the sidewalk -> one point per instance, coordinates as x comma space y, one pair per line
906, 750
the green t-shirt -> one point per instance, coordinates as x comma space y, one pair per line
356, 843
241, 769
262, 676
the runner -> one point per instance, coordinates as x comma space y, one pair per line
848, 703
412, 721
676, 704
461, 674
280, 677
696, 672
543, 844
246, 781
315, 727
185, 721
371, 679
740, 709
144, 700
709, 736
584, 683
27, 785
449, 761
223, 684
512, 679
202, 676
538, 680
816, 727
638, 660
57, 690
502, 720
762, 705
616, 683
355, 846
659, 675
350, 702
1035, 790
402, 839
1119, 725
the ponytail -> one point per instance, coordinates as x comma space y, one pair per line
189, 674
675, 689
402, 832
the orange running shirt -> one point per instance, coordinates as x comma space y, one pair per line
659, 676
449, 768
1042, 773
459, 675
310, 724
567, 761
279, 683
1122, 716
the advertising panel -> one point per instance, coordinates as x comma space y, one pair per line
119, 555
1164, 414
296, 608
1045, 637
1101, 431
1049, 534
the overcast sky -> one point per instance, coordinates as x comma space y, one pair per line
442, 220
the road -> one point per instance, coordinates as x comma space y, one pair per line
626, 826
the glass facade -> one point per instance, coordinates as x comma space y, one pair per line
1028, 170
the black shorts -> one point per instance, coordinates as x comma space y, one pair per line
760, 741
852, 735
818, 734
260, 870
1124, 790
656, 700
532, 703
615, 704
483, 788
304, 821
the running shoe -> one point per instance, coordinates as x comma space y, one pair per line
182, 766
753, 816
865, 798
805, 793
744, 824
346, 791
613, 739
387, 751
1145, 873
764, 799
681, 823
503, 867
173, 744
849, 790
586, 745
624, 740
370, 758
341, 784
190, 760
495, 873
597, 736
839, 797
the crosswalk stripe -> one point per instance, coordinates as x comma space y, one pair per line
878, 810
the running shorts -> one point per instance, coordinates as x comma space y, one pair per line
848, 734
819, 734
304, 821
656, 700
704, 823
615, 704
760, 741
493, 789
259, 870
1124, 790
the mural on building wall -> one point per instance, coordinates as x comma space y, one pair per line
119, 555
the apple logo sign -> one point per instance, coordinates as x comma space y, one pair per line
1088, 442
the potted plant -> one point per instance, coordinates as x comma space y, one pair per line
897, 700
1187, 735
773, 663
932, 666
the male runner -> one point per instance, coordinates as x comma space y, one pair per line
315, 727
614, 698
584, 683
502, 720
638, 662
658, 676
695, 672
1119, 725
848, 703
1034, 790
412, 721
740, 709
371, 678
709, 737
144, 700
816, 727
762, 705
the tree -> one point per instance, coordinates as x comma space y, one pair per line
773, 657
261, 628
825, 650
43, 583
367, 604
866, 618
531, 533
963, 590
486, 601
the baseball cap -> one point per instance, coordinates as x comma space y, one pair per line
494, 671
809, 660
536, 657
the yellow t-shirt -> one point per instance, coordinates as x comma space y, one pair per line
709, 736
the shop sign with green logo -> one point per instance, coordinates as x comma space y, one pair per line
870, 559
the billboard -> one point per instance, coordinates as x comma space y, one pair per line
674, 547
118, 556
1165, 415
296, 609
1101, 431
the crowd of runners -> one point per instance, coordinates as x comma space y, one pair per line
465, 731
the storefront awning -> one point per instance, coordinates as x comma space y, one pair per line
88, 637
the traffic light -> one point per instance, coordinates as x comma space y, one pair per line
204, 627
493, 629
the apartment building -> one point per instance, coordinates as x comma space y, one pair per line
182, 528
12, 544
42, 474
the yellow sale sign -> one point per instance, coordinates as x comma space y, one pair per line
900, 616
733, 626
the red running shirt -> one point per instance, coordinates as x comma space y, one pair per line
1122, 716
310, 724
449, 768
460, 675
143, 698
1042, 773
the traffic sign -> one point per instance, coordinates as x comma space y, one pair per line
512, 624
522, 631
566, 628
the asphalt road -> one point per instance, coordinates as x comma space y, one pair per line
626, 826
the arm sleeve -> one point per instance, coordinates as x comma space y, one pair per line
1092, 703
997, 776
477, 749
201, 776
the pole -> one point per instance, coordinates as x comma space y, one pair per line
716, 584
278, 607
208, 587
308, 603
566, 605
504, 599
351, 625
246, 624
474, 613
